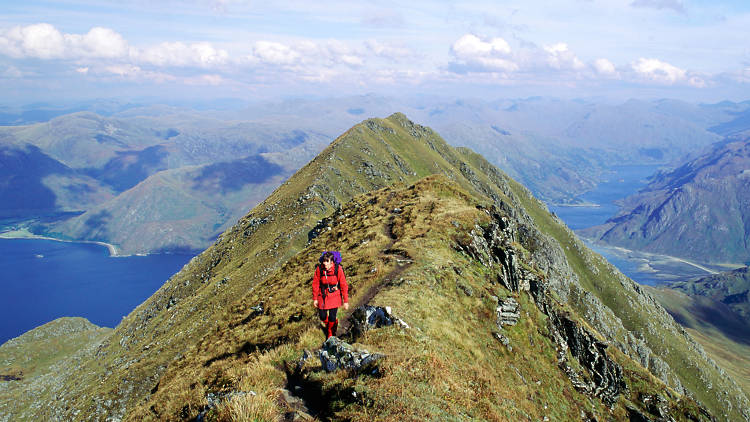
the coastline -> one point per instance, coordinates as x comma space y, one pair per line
114, 252
661, 263
578, 205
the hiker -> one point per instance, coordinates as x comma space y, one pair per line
330, 291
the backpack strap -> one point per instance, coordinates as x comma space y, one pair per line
319, 269
338, 283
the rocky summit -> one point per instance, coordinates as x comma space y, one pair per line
469, 301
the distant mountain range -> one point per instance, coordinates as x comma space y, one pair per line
163, 178
700, 210
507, 314
138, 182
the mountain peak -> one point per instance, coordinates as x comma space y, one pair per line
449, 242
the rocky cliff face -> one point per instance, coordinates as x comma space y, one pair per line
698, 211
509, 315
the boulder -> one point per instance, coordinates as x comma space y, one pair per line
507, 312
337, 354
368, 317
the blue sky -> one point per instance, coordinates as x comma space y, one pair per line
690, 49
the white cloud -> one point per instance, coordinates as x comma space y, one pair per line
136, 73
352, 60
388, 51
605, 67
655, 70
181, 54
470, 46
560, 57
123, 70
676, 5
275, 53
82, 70
697, 82
475, 55
98, 42
305, 53
212, 80
42, 41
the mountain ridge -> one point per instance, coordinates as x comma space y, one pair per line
147, 355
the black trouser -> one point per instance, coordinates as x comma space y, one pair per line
328, 314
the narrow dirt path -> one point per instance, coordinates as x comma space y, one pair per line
373, 290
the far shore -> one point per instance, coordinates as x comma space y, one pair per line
660, 260
25, 234
580, 204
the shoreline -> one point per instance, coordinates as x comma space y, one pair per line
25, 234
578, 205
655, 259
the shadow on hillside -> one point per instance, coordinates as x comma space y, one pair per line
234, 175
246, 349
717, 315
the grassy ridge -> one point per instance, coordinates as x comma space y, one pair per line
201, 333
30, 364
447, 365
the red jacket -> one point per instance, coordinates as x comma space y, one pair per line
334, 299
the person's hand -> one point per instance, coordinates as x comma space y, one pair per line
346, 306
315, 303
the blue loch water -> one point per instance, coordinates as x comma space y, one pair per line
43, 279
621, 182
642, 268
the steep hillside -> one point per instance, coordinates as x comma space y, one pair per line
180, 209
443, 252
700, 211
39, 360
716, 311
33, 183
446, 265
146, 183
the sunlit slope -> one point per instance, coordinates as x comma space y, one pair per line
198, 313
417, 249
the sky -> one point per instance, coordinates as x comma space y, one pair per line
697, 50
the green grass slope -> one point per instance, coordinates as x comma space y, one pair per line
36, 364
179, 209
714, 310
448, 365
198, 334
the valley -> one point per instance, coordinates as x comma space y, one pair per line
542, 210
473, 236
185, 175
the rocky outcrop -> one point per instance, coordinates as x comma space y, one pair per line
337, 354
554, 285
492, 246
367, 317
604, 378
507, 312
